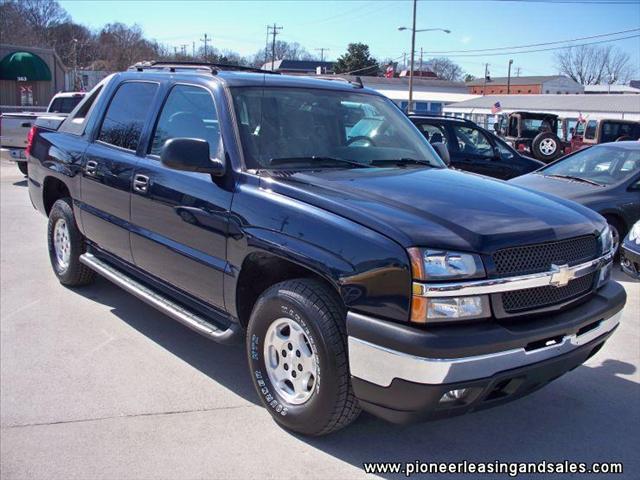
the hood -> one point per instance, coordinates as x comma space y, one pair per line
562, 187
439, 208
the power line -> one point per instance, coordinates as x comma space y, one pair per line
546, 49
536, 44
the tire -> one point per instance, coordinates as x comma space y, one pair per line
546, 147
66, 244
24, 168
617, 229
303, 321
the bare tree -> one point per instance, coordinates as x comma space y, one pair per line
122, 46
27, 22
284, 50
445, 69
592, 64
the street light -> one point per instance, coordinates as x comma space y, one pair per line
413, 48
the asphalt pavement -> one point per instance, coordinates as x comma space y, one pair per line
96, 384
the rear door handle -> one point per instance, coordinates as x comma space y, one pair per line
91, 167
141, 183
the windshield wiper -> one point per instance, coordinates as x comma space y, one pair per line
314, 160
578, 179
403, 161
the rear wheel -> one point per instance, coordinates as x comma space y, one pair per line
66, 244
297, 349
23, 167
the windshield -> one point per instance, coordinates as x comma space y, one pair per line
65, 104
602, 165
312, 127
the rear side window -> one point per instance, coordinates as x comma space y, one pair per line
433, 133
76, 122
188, 112
65, 104
126, 115
590, 130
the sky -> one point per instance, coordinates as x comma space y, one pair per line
241, 26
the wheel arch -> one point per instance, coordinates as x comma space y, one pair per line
53, 189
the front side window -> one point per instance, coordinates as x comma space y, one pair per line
604, 165
189, 112
314, 126
472, 141
126, 114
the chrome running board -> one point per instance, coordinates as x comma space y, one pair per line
162, 303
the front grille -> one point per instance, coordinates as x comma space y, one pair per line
538, 297
538, 258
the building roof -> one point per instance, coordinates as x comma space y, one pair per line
297, 65
575, 103
610, 89
533, 80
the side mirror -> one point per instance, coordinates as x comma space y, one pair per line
191, 155
443, 152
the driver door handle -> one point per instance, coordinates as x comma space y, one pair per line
91, 167
140, 183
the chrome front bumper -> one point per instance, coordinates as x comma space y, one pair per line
380, 365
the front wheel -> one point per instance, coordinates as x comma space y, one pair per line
297, 351
66, 244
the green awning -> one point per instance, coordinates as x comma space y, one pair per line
24, 66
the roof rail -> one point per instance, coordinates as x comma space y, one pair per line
357, 82
213, 68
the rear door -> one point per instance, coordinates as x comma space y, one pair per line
108, 167
181, 217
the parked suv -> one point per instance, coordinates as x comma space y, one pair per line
360, 272
474, 149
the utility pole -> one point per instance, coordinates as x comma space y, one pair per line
322, 50
184, 49
518, 71
175, 51
273, 31
193, 49
509, 77
421, 53
206, 40
404, 60
486, 76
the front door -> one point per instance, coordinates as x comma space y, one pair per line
180, 218
108, 167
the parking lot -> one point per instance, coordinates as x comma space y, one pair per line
96, 384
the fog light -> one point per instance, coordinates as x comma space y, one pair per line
451, 308
454, 395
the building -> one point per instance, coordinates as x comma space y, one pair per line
554, 84
299, 67
478, 109
430, 95
610, 89
29, 76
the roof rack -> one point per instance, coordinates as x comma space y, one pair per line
357, 82
213, 68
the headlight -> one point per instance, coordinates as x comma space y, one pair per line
606, 240
436, 265
432, 265
634, 233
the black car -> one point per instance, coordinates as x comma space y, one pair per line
605, 178
474, 149
630, 252
310, 220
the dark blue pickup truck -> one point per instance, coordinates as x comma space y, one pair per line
312, 220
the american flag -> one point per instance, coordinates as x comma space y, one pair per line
496, 108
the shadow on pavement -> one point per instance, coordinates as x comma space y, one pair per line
591, 414
20, 183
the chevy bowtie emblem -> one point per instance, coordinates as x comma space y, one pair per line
561, 275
